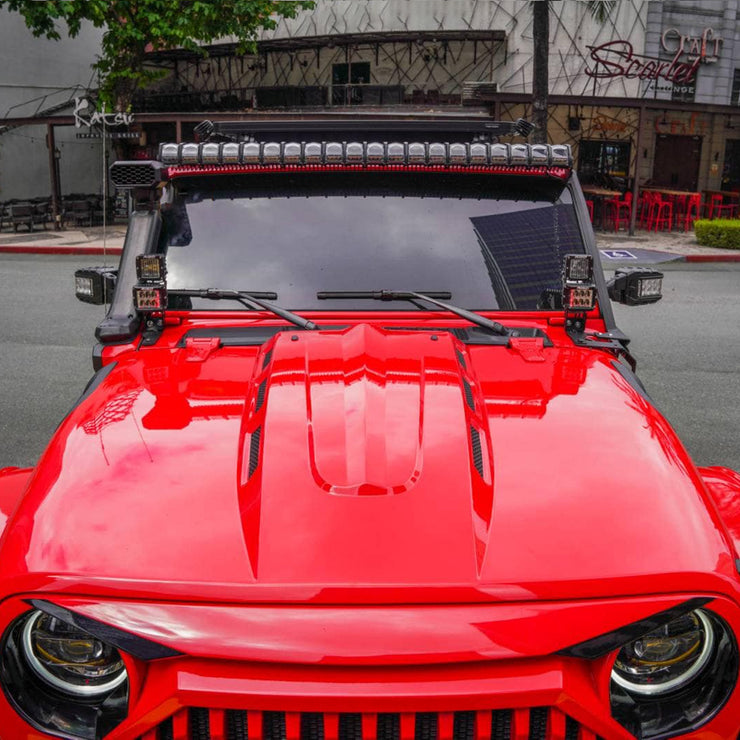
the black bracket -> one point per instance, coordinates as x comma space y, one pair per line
614, 341
153, 328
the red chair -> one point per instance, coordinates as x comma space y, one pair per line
716, 208
646, 208
621, 210
693, 209
662, 214
590, 206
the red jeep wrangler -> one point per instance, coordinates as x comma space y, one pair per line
365, 458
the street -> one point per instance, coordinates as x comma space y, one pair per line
687, 347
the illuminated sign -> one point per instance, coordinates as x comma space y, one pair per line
619, 59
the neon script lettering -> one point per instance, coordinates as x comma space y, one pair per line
618, 59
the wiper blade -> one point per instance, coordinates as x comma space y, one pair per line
410, 295
250, 300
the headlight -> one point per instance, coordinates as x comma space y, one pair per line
69, 659
676, 677
667, 659
62, 679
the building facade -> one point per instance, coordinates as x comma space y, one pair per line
646, 91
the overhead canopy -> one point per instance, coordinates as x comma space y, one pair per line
315, 42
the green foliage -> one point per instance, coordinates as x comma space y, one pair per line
721, 232
132, 27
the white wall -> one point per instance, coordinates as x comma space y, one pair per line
35, 75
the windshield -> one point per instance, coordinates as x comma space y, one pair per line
489, 242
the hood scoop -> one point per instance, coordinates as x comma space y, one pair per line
352, 438
362, 404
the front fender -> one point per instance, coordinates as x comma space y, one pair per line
13, 482
724, 486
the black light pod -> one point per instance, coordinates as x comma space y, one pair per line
150, 293
95, 285
579, 291
636, 286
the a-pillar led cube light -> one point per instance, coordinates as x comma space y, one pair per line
151, 268
150, 298
579, 268
579, 298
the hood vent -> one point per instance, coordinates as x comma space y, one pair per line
261, 395
477, 450
268, 357
469, 395
254, 450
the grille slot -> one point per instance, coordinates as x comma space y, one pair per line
199, 725
236, 725
538, 723
232, 724
501, 724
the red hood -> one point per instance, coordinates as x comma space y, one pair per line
368, 460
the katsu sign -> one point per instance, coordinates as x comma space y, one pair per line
618, 58
86, 116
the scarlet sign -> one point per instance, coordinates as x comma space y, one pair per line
618, 59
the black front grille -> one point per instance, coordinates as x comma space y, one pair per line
539, 723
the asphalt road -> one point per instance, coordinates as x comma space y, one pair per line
687, 346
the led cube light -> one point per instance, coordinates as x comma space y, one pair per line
95, 284
579, 267
580, 298
650, 287
151, 268
148, 298
636, 286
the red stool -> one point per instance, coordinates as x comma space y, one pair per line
717, 209
693, 208
590, 206
662, 214
646, 209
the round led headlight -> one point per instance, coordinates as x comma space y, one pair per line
69, 659
668, 658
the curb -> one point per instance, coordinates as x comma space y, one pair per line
22, 249
712, 258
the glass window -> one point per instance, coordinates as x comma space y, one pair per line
489, 242
731, 168
735, 95
604, 162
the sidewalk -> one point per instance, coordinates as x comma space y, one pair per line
654, 248
642, 248
94, 240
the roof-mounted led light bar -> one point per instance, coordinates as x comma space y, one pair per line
365, 154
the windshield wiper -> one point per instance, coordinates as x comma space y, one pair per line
248, 299
410, 295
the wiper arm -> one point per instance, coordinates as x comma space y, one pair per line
410, 295
248, 299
